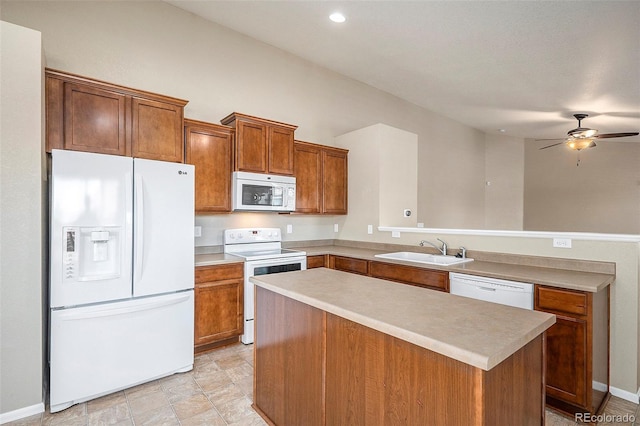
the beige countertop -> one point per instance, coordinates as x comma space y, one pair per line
555, 277
216, 259
477, 333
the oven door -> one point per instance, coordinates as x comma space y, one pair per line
264, 267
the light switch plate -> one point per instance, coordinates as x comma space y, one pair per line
197, 231
369, 229
335, 227
289, 229
562, 242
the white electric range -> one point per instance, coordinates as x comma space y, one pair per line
261, 248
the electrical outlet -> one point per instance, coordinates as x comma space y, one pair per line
197, 231
289, 229
420, 225
395, 234
369, 229
562, 242
335, 227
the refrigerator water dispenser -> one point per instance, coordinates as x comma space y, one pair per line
92, 253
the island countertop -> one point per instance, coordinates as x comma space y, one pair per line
474, 332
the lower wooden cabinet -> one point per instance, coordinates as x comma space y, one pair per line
317, 261
316, 368
427, 278
349, 264
577, 348
405, 274
218, 305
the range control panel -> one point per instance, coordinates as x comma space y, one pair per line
252, 235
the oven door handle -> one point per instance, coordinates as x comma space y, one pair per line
276, 262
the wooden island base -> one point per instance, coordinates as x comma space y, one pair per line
316, 368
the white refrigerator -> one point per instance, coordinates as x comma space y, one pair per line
121, 273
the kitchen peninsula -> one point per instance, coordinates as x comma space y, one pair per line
339, 348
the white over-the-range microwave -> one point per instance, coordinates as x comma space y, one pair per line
262, 192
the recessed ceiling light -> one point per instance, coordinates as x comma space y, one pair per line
337, 17
502, 130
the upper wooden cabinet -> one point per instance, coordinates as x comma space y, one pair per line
321, 178
83, 114
262, 146
209, 147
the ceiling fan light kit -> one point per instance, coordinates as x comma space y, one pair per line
581, 143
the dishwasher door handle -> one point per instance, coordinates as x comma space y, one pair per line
485, 288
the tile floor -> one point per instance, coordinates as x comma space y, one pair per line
218, 391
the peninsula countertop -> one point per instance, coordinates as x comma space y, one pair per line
477, 333
536, 274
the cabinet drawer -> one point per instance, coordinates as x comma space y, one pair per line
316, 261
219, 272
559, 300
410, 275
349, 264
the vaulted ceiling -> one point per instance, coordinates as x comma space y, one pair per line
521, 66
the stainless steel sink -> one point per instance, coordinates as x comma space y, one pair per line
431, 259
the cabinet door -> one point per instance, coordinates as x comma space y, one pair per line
219, 303
334, 181
94, 120
308, 173
210, 149
218, 311
566, 354
316, 261
349, 264
280, 150
251, 147
420, 277
156, 130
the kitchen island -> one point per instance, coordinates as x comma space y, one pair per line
338, 348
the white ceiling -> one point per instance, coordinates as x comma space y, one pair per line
522, 66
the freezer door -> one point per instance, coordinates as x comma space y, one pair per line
91, 228
163, 227
103, 348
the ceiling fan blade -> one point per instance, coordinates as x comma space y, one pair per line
549, 146
615, 135
554, 139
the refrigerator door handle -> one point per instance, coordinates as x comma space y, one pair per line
139, 227
109, 311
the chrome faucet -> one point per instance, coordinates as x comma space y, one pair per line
462, 253
442, 249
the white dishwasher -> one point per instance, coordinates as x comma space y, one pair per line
505, 292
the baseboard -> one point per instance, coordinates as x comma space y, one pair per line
21, 413
626, 395
601, 387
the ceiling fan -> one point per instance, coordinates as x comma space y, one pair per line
582, 137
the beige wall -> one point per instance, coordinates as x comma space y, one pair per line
602, 194
504, 175
386, 159
156, 47
22, 263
